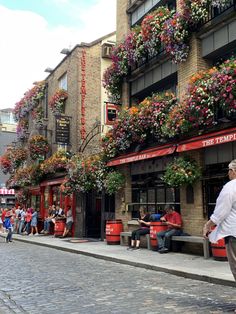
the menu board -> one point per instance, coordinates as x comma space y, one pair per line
62, 130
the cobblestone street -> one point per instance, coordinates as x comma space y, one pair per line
42, 280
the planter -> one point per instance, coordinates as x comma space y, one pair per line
59, 227
155, 227
113, 230
219, 251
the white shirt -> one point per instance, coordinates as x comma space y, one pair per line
224, 215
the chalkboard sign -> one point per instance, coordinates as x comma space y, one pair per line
62, 130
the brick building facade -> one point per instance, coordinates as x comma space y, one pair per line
213, 41
68, 109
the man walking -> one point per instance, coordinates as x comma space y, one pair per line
224, 218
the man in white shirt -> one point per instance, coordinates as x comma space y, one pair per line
224, 218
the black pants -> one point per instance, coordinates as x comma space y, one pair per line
137, 233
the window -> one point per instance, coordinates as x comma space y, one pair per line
111, 113
63, 81
150, 191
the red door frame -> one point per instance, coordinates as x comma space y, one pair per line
64, 201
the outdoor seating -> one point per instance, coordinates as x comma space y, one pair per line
195, 239
128, 235
190, 239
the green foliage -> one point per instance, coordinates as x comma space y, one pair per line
182, 171
114, 182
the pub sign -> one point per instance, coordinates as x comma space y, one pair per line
62, 130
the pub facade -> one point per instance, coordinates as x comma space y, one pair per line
55, 121
211, 41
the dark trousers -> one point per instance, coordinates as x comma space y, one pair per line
164, 237
137, 233
9, 234
28, 227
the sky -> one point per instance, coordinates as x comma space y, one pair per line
33, 32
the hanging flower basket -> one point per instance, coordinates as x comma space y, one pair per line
37, 116
5, 164
12, 159
25, 177
57, 162
22, 129
114, 181
38, 147
57, 102
182, 171
22, 195
30, 100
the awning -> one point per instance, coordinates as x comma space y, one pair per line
206, 140
52, 182
145, 154
7, 191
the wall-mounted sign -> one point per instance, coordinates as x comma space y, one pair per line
62, 130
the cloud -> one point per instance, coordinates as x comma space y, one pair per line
29, 44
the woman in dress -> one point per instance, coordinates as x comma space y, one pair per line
34, 222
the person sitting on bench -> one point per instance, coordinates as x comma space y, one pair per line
174, 228
144, 222
48, 219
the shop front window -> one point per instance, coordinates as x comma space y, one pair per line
148, 190
35, 202
56, 195
46, 197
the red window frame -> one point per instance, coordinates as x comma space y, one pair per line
111, 107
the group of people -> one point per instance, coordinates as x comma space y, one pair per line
22, 220
54, 213
173, 221
18, 220
222, 223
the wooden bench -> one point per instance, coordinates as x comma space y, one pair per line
195, 239
128, 235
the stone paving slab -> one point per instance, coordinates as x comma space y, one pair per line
185, 265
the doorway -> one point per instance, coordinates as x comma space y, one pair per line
93, 215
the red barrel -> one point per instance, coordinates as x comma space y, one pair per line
113, 230
219, 251
59, 227
155, 227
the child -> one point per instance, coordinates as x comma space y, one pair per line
8, 226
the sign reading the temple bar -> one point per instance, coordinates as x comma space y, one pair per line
207, 140
62, 130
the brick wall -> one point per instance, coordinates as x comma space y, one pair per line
93, 94
192, 214
123, 197
122, 27
69, 66
193, 64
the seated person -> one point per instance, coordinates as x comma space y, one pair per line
174, 228
48, 219
59, 213
69, 222
144, 221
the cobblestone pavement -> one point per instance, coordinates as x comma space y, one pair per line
39, 280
